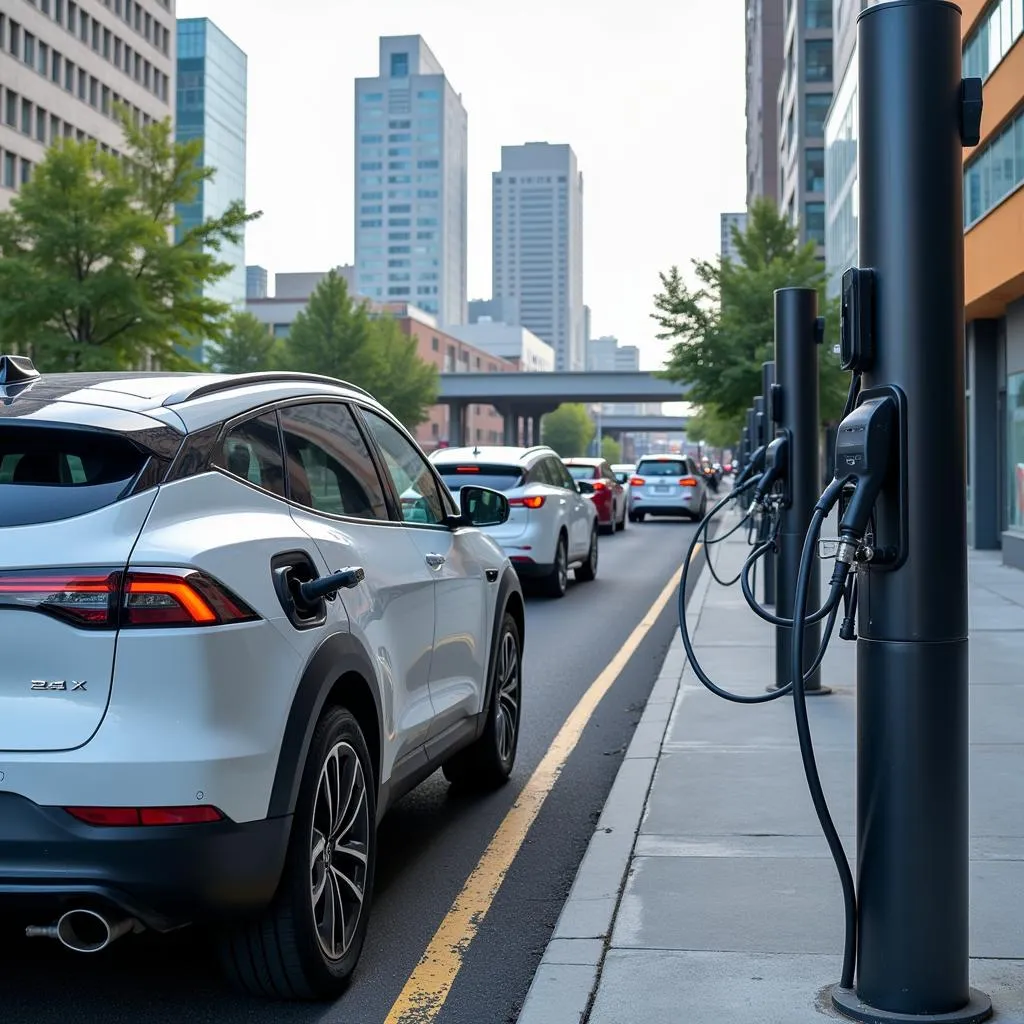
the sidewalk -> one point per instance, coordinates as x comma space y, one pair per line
707, 894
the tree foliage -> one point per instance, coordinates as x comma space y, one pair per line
569, 430
336, 336
723, 329
91, 273
709, 425
248, 347
611, 450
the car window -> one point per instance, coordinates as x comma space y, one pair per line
560, 475
48, 474
539, 473
417, 489
252, 451
622, 477
329, 465
662, 467
582, 472
498, 478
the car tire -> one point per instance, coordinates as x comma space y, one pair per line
556, 582
294, 950
487, 763
587, 572
622, 522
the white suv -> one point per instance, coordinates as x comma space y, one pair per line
552, 527
227, 651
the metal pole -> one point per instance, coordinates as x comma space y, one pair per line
912, 667
765, 434
744, 448
768, 562
796, 373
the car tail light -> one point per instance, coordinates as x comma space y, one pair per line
467, 469
637, 481
600, 485
532, 501
688, 481
109, 598
127, 817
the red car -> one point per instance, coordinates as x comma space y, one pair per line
595, 479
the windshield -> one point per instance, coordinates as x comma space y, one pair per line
47, 474
498, 478
582, 472
662, 468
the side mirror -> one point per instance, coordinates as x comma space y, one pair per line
482, 506
585, 486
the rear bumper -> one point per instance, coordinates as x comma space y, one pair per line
163, 876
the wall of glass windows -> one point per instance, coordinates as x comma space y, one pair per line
995, 172
841, 193
999, 28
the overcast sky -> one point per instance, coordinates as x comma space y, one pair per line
649, 93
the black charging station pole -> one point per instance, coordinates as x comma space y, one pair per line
795, 406
744, 455
916, 116
768, 562
764, 527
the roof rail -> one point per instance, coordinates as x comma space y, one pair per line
17, 370
239, 380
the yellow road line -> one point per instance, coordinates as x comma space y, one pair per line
428, 986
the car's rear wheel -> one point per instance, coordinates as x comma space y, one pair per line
621, 525
487, 763
587, 572
307, 943
557, 581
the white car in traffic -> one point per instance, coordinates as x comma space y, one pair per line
551, 527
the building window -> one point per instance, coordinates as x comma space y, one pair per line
818, 60
818, 14
11, 109
1015, 448
814, 170
995, 172
9, 179
997, 31
399, 65
816, 106
814, 222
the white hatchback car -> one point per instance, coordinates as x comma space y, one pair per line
551, 527
228, 649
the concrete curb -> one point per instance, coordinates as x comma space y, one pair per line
568, 973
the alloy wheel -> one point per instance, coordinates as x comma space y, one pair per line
563, 566
339, 847
506, 718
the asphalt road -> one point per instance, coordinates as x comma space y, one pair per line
429, 843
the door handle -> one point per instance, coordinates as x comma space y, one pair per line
435, 561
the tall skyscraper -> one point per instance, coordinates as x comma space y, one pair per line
764, 71
804, 98
65, 68
537, 267
212, 104
411, 183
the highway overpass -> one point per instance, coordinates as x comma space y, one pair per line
614, 426
522, 398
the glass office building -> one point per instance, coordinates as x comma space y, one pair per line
211, 105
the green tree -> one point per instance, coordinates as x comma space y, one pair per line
334, 336
410, 385
95, 270
248, 347
611, 450
708, 424
723, 329
569, 430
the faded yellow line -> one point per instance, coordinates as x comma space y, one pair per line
428, 986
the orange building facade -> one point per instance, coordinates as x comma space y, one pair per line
993, 36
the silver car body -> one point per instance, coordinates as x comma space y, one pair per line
668, 485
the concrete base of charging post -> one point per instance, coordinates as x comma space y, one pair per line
845, 1000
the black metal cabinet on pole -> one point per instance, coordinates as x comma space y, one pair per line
796, 413
912, 651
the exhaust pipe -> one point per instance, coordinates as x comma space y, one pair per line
84, 931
